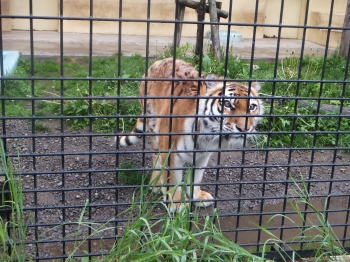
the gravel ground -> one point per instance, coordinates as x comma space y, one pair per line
85, 175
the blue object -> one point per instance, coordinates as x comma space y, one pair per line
10, 61
234, 36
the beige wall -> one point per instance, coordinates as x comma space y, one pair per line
242, 12
5, 8
319, 16
291, 14
40, 8
135, 9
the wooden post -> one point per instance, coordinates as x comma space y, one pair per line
202, 8
178, 27
194, 5
218, 7
215, 38
200, 27
345, 39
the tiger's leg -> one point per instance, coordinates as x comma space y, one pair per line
140, 127
158, 178
177, 196
199, 194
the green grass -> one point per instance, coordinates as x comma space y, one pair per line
102, 67
319, 237
41, 127
290, 117
13, 231
167, 236
131, 177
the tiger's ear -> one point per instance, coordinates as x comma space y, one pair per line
256, 86
210, 84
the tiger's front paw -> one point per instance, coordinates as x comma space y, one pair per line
177, 207
203, 198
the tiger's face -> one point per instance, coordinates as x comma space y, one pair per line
238, 108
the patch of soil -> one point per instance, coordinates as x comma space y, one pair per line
61, 170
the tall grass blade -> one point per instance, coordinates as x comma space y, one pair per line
14, 231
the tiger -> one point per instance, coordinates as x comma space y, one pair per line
207, 113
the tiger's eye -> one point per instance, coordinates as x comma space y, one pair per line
227, 103
252, 107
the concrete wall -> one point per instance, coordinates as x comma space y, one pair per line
291, 14
5, 8
319, 16
135, 9
40, 8
243, 11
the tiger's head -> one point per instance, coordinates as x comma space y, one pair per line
237, 106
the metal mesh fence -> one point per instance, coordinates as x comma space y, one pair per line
79, 184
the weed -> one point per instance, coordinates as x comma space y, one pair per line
312, 67
12, 232
175, 240
320, 238
131, 177
47, 107
284, 120
117, 97
41, 127
17, 89
131, 67
184, 236
184, 52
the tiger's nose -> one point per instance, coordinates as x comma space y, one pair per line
241, 129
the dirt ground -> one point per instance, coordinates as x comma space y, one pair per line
56, 187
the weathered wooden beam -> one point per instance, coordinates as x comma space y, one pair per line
194, 5
200, 27
178, 27
218, 6
345, 39
215, 38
